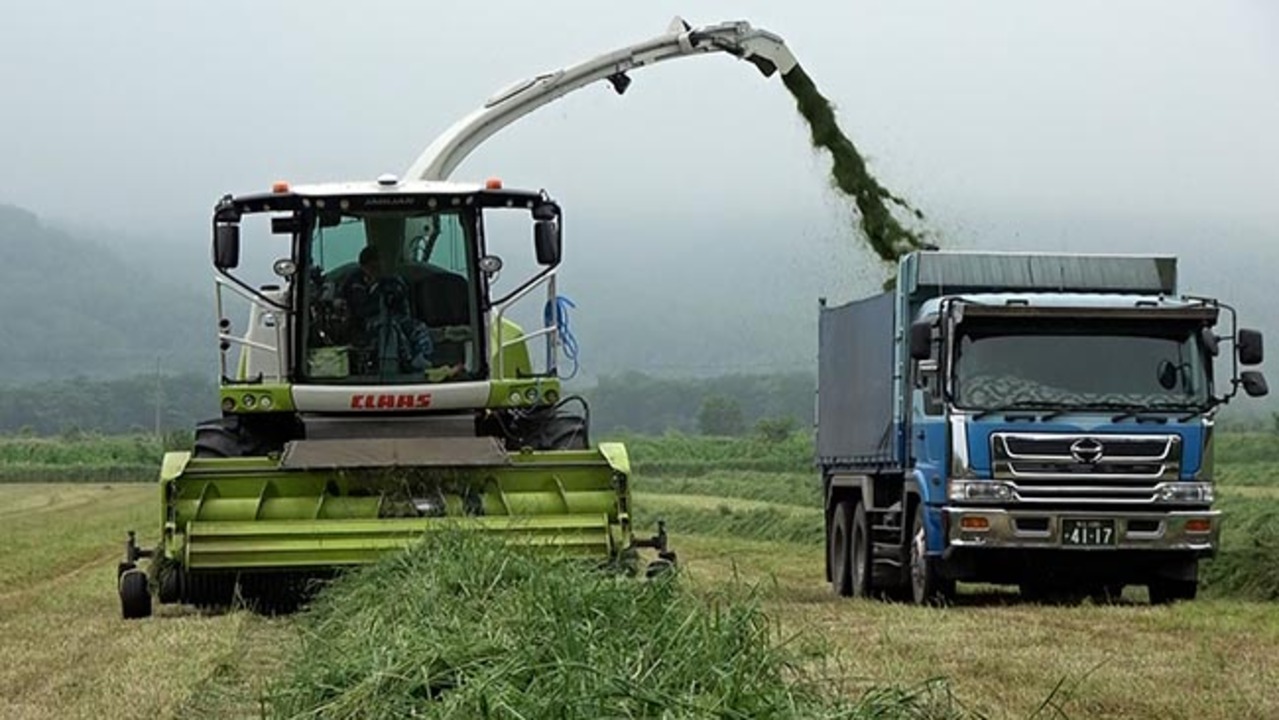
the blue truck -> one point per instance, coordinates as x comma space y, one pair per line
1039, 420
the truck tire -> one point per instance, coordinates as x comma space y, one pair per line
850, 550
927, 585
860, 555
1165, 591
839, 547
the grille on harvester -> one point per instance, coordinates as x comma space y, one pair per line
1085, 468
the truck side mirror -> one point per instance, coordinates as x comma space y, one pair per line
226, 246
1254, 383
1249, 346
921, 340
546, 240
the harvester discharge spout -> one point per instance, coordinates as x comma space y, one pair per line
763, 49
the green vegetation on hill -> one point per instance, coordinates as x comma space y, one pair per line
640, 403
124, 405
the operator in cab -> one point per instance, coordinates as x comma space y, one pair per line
389, 340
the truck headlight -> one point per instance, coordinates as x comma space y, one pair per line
1185, 492
979, 490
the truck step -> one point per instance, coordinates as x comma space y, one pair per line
887, 528
888, 552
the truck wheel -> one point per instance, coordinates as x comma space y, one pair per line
927, 585
840, 549
860, 555
1165, 591
135, 596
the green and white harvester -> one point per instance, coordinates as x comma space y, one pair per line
381, 389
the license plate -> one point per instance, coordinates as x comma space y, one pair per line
1087, 532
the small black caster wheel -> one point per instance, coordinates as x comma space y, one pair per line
135, 596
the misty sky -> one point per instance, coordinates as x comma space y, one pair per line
136, 116
147, 111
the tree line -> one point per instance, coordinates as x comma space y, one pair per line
768, 405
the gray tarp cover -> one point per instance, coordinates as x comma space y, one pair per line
397, 452
855, 383
966, 272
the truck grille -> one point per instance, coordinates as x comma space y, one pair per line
1085, 468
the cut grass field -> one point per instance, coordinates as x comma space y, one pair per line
740, 534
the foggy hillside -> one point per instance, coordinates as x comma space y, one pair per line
73, 307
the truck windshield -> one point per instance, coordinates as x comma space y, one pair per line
390, 298
1104, 366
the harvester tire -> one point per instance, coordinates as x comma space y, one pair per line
224, 438
168, 581
135, 595
659, 568
561, 432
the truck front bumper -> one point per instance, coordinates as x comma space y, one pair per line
1194, 532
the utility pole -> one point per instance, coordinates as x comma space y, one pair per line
158, 392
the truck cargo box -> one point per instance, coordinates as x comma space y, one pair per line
855, 396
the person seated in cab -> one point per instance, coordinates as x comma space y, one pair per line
393, 341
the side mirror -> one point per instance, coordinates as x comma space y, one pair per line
921, 341
1249, 346
1254, 383
546, 239
226, 246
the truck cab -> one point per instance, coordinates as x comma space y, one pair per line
1038, 420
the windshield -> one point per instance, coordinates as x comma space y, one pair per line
1101, 365
390, 298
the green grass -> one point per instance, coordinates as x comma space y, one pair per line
785, 488
750, 520
463, 627
1246, 447
689, 455
1247, 565
82, 458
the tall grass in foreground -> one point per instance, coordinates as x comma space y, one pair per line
464, 627
1247, 565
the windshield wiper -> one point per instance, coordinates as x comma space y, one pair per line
1196, 412
1013, 407
1135, 411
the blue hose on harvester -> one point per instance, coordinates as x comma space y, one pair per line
558, 314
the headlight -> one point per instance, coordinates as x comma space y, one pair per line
979, 490
1185, 492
